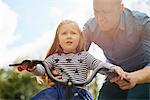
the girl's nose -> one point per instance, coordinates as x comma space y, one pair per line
69, 35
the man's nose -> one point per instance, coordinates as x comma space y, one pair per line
101, 17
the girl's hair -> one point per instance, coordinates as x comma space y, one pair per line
56, 48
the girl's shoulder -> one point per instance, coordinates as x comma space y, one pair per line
83, 53
60, 55
55, 55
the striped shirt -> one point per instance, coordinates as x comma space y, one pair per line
72, 66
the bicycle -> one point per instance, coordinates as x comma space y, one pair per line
69, 83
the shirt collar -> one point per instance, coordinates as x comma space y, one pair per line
122, 21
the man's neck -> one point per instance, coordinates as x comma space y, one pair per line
112, 32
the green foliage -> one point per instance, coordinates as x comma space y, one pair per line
18, 85
92, 88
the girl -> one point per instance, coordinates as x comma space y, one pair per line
69, 56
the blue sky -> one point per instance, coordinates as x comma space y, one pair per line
32, 16
27, 27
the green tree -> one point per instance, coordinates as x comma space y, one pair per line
18, 85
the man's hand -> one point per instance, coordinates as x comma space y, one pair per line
123, 84
119, 71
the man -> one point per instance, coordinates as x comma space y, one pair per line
124, 37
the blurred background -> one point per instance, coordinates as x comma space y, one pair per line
27, 29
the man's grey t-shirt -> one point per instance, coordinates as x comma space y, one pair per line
130, 45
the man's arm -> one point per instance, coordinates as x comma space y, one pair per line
88, 29
146, 37
145, 72
142, 75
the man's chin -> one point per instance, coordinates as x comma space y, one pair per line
105, 30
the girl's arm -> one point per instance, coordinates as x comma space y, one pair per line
39, 69
93, 63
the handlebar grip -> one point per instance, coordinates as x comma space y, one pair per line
29, 63
12, 65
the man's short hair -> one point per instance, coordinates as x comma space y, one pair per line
119, 1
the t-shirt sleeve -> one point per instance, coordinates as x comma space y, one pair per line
146, 44
87, 32
39, 69
92, 62
145, 22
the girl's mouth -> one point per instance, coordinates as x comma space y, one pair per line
69, 42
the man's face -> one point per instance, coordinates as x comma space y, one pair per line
107, 13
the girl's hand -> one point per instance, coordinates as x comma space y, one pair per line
25, 67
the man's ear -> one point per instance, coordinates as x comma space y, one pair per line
121, 7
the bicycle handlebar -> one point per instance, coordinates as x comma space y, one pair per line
104, 71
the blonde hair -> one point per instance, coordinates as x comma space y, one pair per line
56, 48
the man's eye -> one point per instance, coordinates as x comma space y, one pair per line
102, 12
106, 12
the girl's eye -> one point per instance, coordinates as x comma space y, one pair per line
64, 33
74, 33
